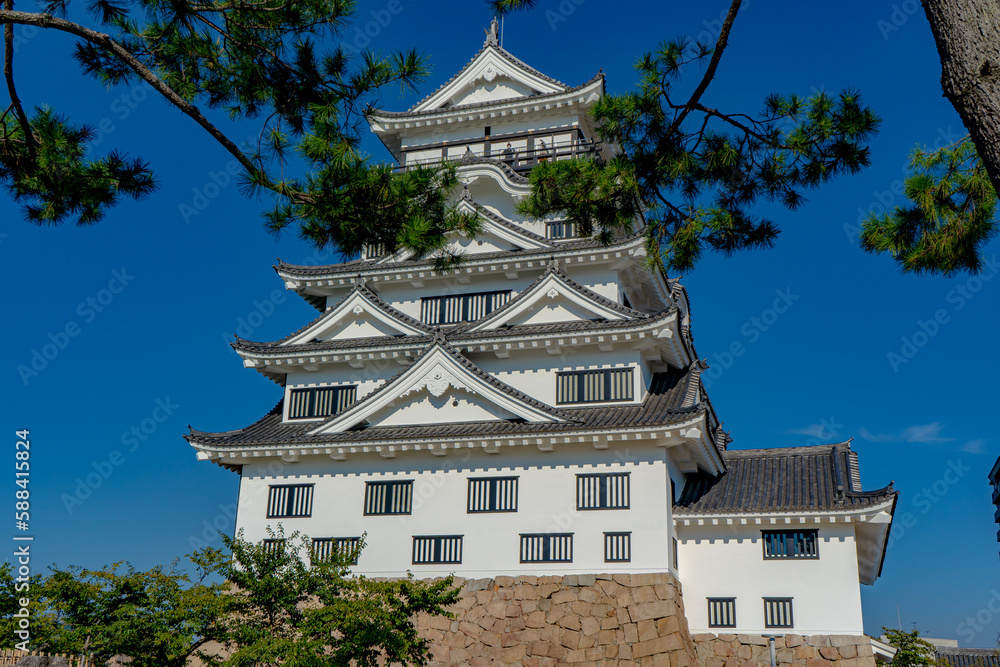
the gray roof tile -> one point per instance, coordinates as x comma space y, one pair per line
661, 407
777, 480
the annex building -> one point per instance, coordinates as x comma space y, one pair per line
538, 411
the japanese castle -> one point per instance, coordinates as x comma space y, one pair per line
539, 409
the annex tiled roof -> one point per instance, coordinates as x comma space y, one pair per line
967, 657
789, 479
663, 406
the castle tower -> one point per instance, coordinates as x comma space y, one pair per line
538, 410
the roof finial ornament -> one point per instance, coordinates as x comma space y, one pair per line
493, 34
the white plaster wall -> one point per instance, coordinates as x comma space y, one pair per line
539, 122
546, 503
728, 561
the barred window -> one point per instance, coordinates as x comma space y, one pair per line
791, 543
289, 500
674, 548
603, 491
436, 549
320, 401
547, 548
617, 547
329, 548
492, 494
722, 612
461, 307
778, 613
560, 230
388, 497
273, 546
603, 386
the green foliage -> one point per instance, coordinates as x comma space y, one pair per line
698, 171
911, 651
54, 180
262, 603
297, 615
255, 59
950, 219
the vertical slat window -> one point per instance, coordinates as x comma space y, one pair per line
604, 491
436, 549
273, 546
320, 401
547, 548
617, 547
327, 548
790, 543
603, 386
289, 500
388, 498
674, 546
492, 494
778, 613
560, 230
722, 612
461, 307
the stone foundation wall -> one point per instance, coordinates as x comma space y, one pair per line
796, 650
606, 619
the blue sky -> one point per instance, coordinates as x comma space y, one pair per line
137, 309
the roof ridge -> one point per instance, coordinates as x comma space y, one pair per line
500, 220
193, 432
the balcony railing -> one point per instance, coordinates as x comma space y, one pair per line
521, 160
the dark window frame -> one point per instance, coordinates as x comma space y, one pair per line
771, 605
390, 497
313, 393
494, 495
496, 299
787, 539
438, 549
337, 544
724, 608
548, 547
290, 501
604, 491
607, 384
625, 546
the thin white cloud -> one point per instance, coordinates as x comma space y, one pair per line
977, 446
921, 433
928, 433
876, 437
813, 430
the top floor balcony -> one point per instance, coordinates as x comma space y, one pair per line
521, 151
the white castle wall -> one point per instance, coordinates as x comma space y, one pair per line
728, 561
546, 503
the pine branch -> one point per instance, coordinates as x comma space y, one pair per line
8, 72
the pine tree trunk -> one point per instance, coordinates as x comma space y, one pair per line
967, 33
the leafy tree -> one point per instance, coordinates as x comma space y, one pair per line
793, 144
260, 605
911, 651
697, 170
252, 59
950, 219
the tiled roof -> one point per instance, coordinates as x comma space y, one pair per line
458, 336
503, 53
777, 480
359, 288
358, 266
967, 657
541, 97
661, 407
517, 229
